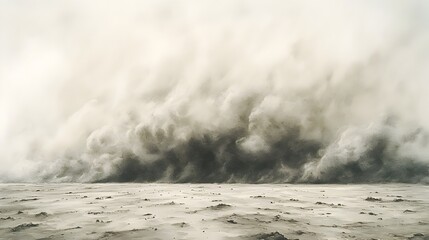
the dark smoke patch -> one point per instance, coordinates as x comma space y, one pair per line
216, 159
378, 153
381, 156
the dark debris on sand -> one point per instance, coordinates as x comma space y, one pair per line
418, 236
220, 206
409, 211
330, 204
181, 224
27, 199
24, 226
372, 199
231, 221
258, 196
42, 214
269, 236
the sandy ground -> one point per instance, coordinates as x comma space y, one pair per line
212, 211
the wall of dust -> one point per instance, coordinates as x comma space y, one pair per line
214, 91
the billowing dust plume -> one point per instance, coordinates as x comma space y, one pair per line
214, 91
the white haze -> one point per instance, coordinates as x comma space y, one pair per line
214, 91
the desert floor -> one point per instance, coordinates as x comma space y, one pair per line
213, 211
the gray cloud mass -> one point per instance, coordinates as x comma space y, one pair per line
214, 91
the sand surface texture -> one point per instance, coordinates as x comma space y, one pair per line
211, 211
